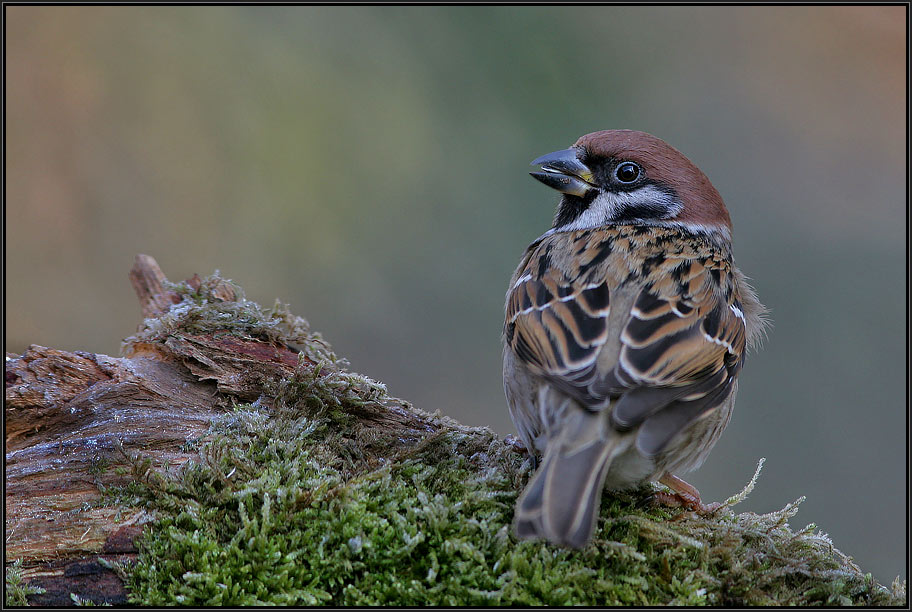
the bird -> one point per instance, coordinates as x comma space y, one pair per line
626, 327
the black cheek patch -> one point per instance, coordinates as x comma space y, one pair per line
663, 208
635, 212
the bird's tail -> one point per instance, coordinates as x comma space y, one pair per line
561, 502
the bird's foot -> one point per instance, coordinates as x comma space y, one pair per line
685, 495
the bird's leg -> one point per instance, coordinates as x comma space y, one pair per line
685, 495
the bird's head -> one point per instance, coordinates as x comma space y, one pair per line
625, 176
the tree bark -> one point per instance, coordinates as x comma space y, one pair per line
71, 417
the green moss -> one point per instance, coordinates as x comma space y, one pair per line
298, 501
264, 518
16, 592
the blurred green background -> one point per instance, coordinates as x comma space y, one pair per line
368, 166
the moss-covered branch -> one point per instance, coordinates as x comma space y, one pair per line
294, 481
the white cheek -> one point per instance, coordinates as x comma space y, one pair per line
600, 211
606, 207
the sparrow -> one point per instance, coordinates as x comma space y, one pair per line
626, 326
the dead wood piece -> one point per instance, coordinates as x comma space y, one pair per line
61, 446
73, 419
148, 282
39, 384
89, 578
239, 367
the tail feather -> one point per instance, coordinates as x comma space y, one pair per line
561, 501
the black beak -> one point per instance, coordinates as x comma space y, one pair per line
562, 170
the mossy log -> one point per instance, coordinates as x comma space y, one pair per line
228, 457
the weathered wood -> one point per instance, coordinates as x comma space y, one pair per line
148, 282
67, 416
73, 417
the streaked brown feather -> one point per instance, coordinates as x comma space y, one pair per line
680, 344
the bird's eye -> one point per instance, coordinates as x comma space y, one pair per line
627, 172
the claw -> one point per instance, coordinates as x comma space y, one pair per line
685, 495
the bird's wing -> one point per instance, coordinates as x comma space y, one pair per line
557, 325
681, 343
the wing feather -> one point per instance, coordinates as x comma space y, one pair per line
681, 343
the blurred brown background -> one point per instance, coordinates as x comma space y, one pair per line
368, 165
